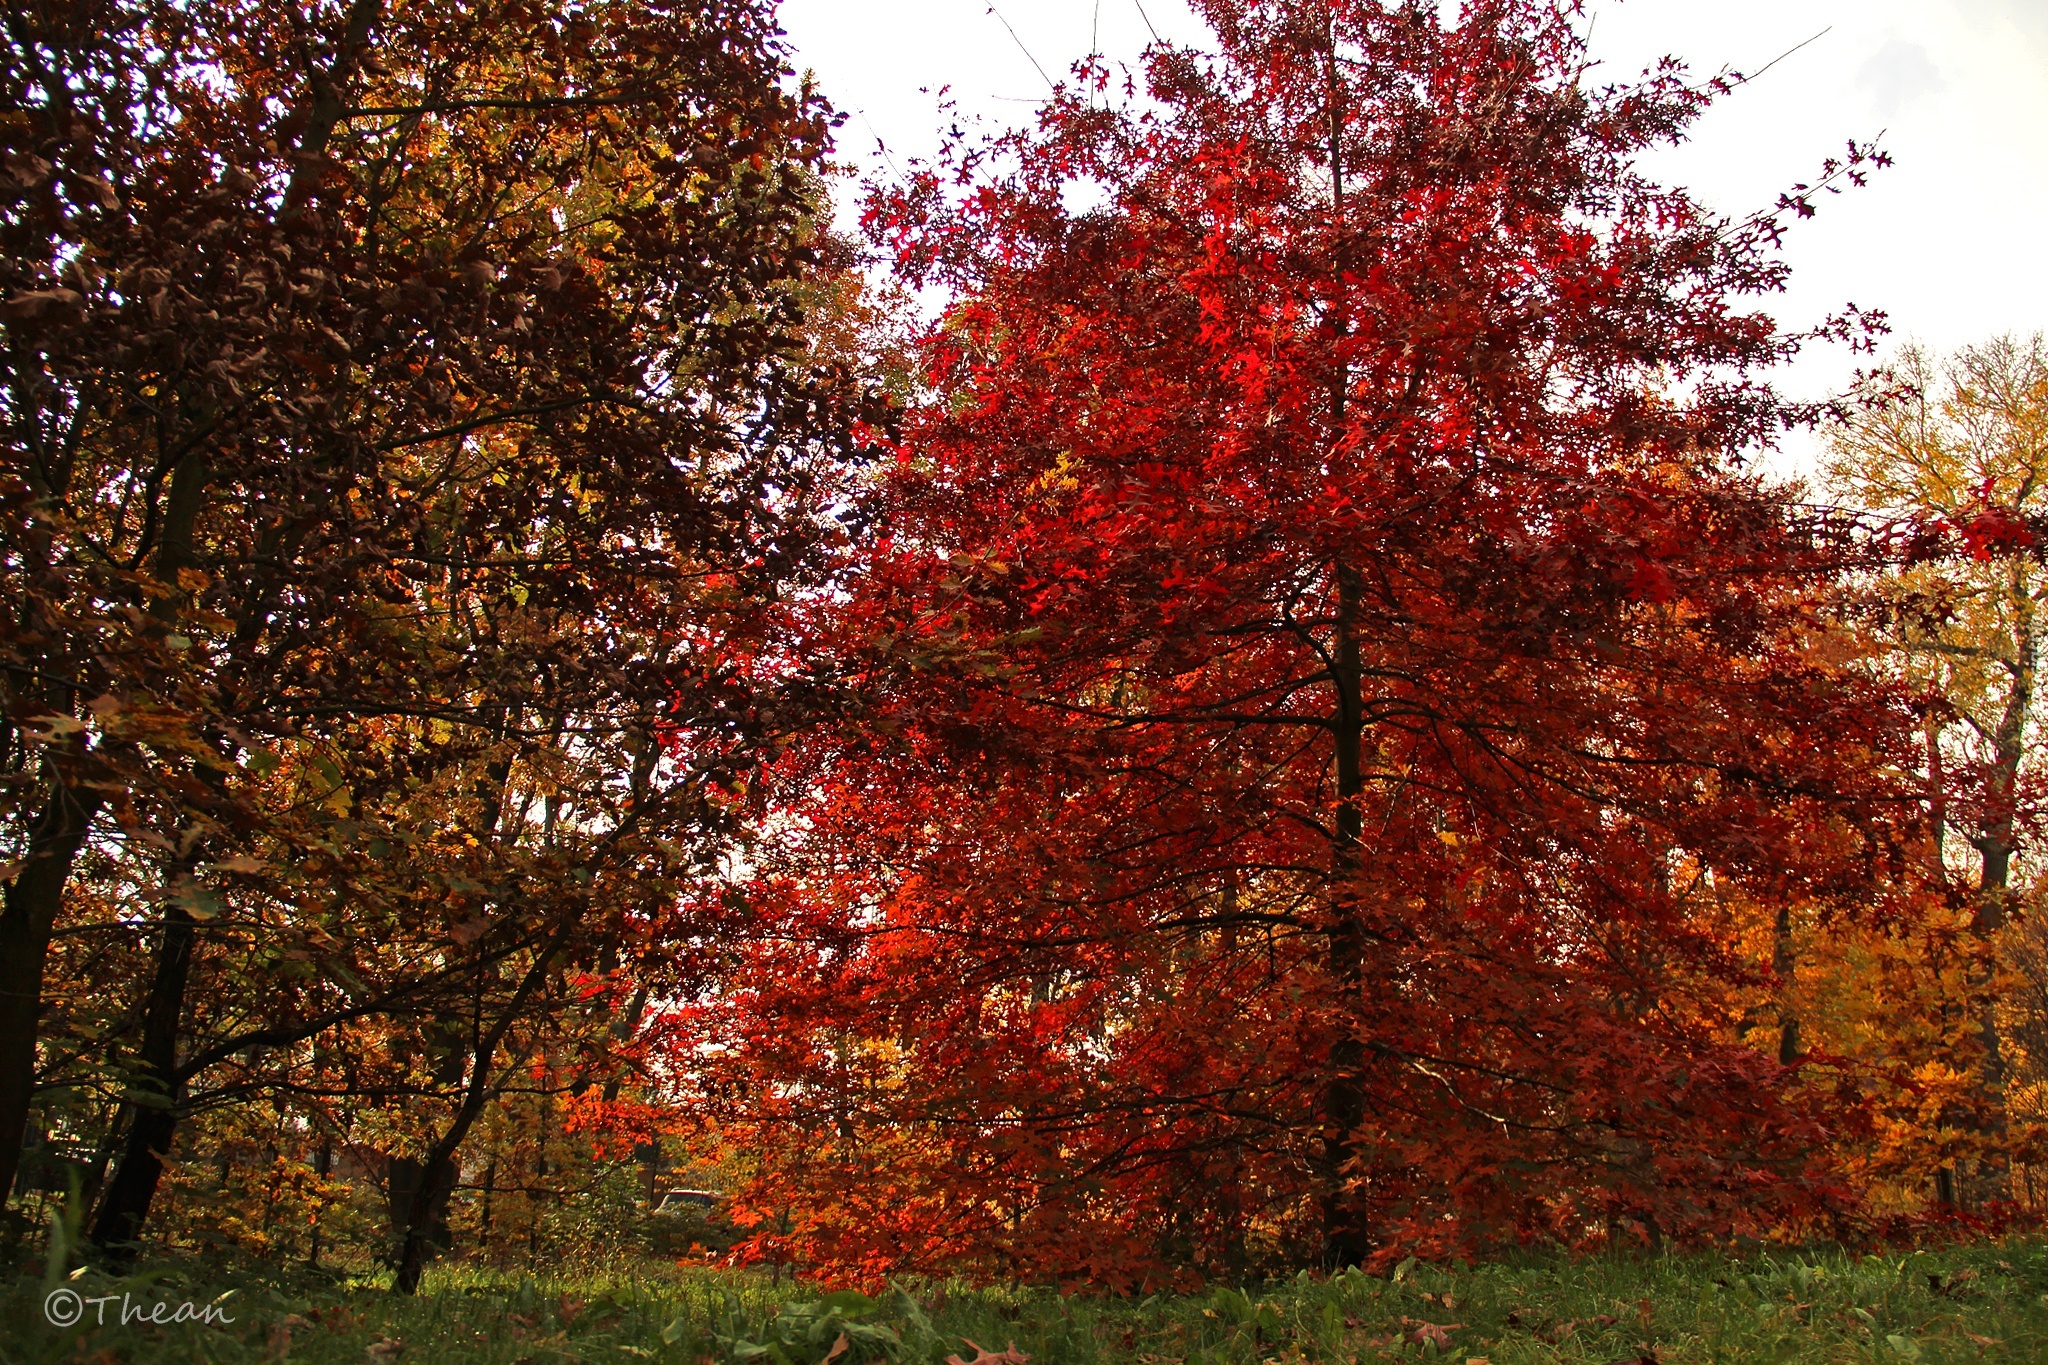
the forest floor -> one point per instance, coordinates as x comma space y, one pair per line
1987, 1301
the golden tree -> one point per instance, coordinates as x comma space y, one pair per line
1963, 439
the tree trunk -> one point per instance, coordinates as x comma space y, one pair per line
1344, 1233
30, 915
323, 1166
1345, 1240
429, 1199
420, 1193
421, 1188
483, 1231
124, 1208
126, 1202
1997, 841
1783, 964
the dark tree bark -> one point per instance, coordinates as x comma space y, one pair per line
124, 1208
33, 900
1784, 962
1345, 1236
414, 1222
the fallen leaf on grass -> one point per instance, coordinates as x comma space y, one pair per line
1571, 1325
1010, 1355
1437, 1334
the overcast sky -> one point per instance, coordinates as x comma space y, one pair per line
1949, 241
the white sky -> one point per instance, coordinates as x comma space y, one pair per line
1949, 242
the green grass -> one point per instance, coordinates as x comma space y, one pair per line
1988, 1301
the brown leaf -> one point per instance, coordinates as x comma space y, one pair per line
839, 1348
1439, 1334
33, 302
1010, 1355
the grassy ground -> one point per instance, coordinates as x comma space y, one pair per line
1985, 1302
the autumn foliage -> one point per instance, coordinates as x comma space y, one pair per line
1333, 697
1277, 725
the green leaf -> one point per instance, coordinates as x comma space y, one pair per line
1905, 1346
198, 900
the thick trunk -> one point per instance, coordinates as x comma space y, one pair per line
26, 922
1992, 891
420, 1193
1345, 1239
421, 1187
124, 1209
1997, 841
125, 1204
1990, 1176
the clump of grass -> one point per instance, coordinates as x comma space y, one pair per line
1987, 1301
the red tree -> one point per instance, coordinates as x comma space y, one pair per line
1329, 676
